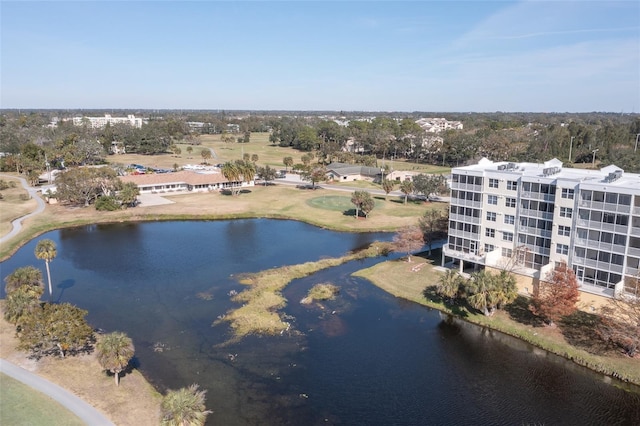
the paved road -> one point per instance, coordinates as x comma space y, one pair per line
17, 223
84, 411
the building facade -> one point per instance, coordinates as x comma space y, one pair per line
100, 122
527, 217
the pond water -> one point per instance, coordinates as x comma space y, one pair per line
366, 358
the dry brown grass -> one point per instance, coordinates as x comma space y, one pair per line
322, 291
134, 402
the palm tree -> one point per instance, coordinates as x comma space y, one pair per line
407, 188
387, 186
231, 172
27, 276
449, 284
184, 407
46, 250
115, 350
482, 287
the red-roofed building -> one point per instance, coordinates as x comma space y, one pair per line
181, 181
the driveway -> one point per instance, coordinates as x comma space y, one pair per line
84, 411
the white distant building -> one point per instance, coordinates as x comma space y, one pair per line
100, 122
528, 217
437, 125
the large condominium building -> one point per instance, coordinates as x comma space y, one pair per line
100, 122
528, 217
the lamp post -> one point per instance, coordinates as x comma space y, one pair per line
571, 149
594, 157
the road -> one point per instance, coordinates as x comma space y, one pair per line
84, 411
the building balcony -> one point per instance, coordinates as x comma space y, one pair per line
633, 251
473, 236
595, 264
471, 257
466, 187
600, 246
607, 207
536, 214
465, 219
603, 226
535, 231
538, 196
466, 203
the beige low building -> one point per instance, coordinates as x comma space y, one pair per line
158, 183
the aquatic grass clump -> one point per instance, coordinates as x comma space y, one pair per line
323, 291
262, 300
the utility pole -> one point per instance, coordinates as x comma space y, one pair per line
594, 157
571, 149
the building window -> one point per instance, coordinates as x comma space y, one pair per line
509, 219
512, 185
491, 216
492, 199
507, 252
507, 236
489, 248
562, 249
567, 193
493, 183
566, 212
510, 202
564, 230
490, 232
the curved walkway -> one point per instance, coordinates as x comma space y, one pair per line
84, 411
17, 223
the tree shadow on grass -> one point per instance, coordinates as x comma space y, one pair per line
456, 306
580, 329
519, 312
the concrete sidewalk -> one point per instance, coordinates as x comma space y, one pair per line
84, 411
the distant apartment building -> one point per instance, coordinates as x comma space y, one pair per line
100, 122
527, 217
437, 125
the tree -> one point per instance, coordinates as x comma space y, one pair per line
266, 174
434, 226
83, 185
206, 155
407, 188
55, 329
481, 288
288, 162
620, 319
368, 204
363, 201
449, 284
128, 194
184, 407
231, 172
408, 240
23, 290
46, 250
254, 157
429, 184
557, 295
314, 174
189, 150
387, 186
114, 351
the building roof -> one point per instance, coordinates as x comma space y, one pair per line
611, 175
183, 176
343, 169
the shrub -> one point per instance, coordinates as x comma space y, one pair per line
107, 203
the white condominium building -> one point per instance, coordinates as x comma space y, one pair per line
527, 217
100, 122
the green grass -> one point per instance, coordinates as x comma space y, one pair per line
323, 291
21, 405
337, 203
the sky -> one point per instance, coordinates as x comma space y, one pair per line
448, 56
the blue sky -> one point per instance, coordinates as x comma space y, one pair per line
543, 56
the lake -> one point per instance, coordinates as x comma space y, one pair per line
366, 358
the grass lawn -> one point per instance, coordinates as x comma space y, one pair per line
339, 203
21, 405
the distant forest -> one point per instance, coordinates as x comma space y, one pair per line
28, 139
